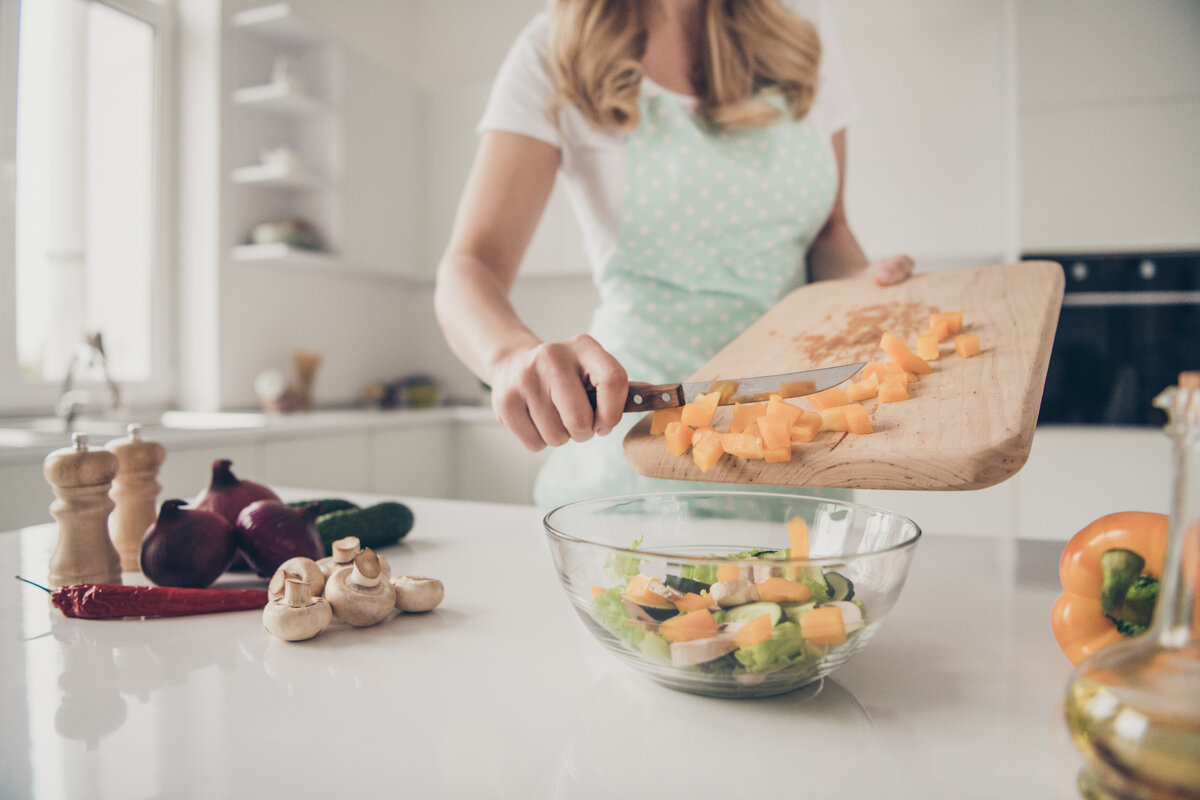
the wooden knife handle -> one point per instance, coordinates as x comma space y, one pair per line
642, 397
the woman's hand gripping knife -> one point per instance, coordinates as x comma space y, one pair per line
539, 389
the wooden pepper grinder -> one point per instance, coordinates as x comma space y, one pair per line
81, 479
135, 493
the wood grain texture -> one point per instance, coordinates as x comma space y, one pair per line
968, 425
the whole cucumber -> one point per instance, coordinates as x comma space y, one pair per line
375, 526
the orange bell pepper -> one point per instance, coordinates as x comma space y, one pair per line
1109, 571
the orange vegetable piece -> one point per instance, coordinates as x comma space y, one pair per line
744, 416
853, 417
938, 328
834, 419
694, 602
729, 572
777, 455
775, 431
797, 530
807, 427
835, 396
781, 590
706, 448
598, 590
893, 391
823, 626
638, 590
893, 368
876, 369
777, 405
679, 438
862, 390
755, 631
966, 345
899, 352
952, 319
660, 418
690, 626
743, 445
928, 348
699, 412
796, 388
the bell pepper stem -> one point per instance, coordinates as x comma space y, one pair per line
1126, 595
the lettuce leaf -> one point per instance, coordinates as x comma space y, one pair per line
786, 646
609, 612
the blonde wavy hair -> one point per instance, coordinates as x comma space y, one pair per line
750, 46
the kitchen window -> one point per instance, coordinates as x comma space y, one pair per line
83, 127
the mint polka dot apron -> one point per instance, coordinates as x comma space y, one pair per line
714, 230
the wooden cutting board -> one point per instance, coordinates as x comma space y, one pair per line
967, 425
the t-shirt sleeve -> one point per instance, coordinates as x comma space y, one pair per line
836, 104
517, 102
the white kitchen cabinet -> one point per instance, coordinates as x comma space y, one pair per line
25, 494
339, 460
492, 465
413, 461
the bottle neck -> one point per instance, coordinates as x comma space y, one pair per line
1177, 618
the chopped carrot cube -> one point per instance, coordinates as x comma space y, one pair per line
834, 419
699, 413
807, 427
952, 319
823, 626
694, 602
687, 627
894, 368
927, 347
706, 448
781, 590
679, 438
796, 388
777, 455
598, 590
862, 390
829, 398
660, 418
899, 352
744, 445
877, 369
893, 391
744, 415
777, 405
966, 345
755, 631
774, 429
855, 418
797, 531
729, 572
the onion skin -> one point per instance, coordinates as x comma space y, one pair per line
270, 532
186, 547
227, 495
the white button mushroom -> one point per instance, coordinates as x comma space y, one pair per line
297, 615
852, 616
361, 595
415, 594
301, 569
733, 593
700, 651
344, 551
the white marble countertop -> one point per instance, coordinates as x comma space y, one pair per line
502, 693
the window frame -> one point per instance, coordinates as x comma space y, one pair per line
18, 393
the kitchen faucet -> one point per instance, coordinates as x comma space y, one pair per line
91, 354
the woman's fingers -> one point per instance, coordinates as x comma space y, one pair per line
542, 395
887, 271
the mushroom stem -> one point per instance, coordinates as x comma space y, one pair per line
367, 571
296, 593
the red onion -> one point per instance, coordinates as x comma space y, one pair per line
186, 547
269, 532
227, 496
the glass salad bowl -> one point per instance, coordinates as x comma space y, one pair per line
731, 593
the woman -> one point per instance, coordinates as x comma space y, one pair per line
702, 147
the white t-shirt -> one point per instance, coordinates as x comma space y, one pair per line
594, 160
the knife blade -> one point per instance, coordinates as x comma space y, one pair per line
736, 390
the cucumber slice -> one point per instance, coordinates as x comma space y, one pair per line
749, 611
685, 585
794, 611
840, 587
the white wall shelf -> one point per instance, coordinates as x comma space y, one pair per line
275, 175
280, 98
277, 22
283, 253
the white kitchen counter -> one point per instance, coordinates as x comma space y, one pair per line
502, 693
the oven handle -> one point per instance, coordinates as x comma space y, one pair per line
1096, 299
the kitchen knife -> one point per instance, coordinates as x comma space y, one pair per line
736, 390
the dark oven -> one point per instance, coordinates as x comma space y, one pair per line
1130, 322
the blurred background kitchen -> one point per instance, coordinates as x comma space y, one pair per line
232, 212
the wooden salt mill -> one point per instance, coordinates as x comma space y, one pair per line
135, 493
81, 479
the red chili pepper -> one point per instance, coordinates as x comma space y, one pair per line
117, 601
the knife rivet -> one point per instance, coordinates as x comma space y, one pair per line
637, 398
666, 397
